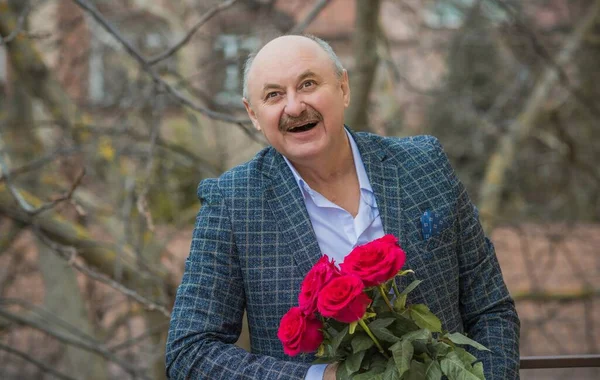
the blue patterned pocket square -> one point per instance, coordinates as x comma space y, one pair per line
431, 224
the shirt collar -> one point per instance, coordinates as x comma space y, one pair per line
361, 173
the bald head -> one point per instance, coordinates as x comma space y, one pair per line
286, 45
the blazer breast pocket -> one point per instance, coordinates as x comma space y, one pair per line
437, 230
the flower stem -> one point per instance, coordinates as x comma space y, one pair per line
362, 324
396, 290
385, 298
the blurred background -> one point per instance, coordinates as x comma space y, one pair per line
111, 112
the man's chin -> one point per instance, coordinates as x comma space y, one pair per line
303, 152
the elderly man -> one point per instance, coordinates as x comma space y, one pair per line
319, 188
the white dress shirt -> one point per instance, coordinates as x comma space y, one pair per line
336, 230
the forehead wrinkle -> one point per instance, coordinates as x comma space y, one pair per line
306, 74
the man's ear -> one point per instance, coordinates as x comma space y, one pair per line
251, 114
345, 84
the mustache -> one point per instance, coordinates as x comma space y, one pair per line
307, 116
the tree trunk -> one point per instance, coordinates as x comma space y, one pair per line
365, 63
63, 298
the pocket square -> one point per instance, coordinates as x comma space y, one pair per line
431, 224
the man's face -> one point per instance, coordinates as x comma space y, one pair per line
297, 99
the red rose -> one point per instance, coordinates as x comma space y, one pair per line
299, 332
343, 299
375, 262
320, 274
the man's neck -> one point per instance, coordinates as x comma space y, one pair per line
337, 165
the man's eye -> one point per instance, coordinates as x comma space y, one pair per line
308, 83
271, 95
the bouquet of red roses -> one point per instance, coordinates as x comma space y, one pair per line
356, 315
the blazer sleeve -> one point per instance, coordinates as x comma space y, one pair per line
488, 312
207, 316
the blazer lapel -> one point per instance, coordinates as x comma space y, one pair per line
388, 176
384, 176
285, 200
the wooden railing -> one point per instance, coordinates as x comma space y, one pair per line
565, 361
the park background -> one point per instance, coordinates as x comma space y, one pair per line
111, 112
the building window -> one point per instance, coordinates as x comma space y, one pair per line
114, 79
451, 13
234, 50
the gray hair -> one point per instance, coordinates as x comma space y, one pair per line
339, 68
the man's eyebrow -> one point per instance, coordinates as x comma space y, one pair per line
301, 77
306, 74
271, 86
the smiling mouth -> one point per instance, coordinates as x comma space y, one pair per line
302, 128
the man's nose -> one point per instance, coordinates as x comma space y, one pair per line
294, 106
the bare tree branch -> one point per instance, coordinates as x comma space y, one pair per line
89, 345
142, 202
39, 163
26, 206
136, 339
542, 52
396, 74
310, 17
145, 65
44, 367
70, 254
137, 273
20, 25
207, 16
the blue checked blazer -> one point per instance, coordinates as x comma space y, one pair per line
253, 243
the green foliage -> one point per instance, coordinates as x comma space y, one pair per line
402, 344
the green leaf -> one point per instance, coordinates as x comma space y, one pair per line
453, 367
465, 356
353, 362
402, 353
361, 342
420, 347
400, 303
410, 287
385, 335
374, 374
470, 361
424, 318
391, 372
383, 322
337, 339
416, 371
403, 325
342, 372
458, 338
422, 334
478, 370
433, 371
378, 362
439, 349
